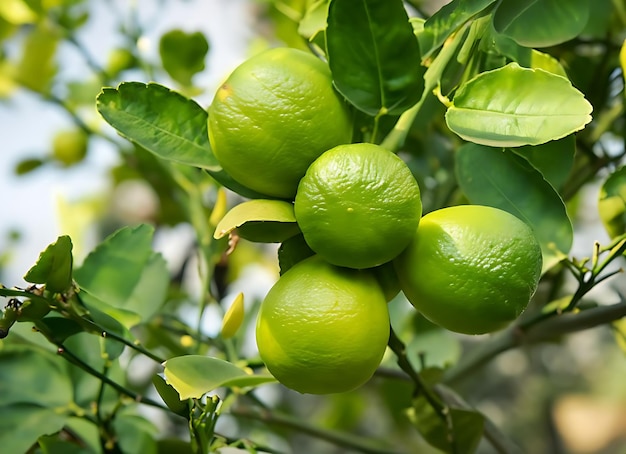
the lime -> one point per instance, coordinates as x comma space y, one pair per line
470, 269
273, 116
358, 205
323, 329
69, 146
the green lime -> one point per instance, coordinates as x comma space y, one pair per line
358, 205
323, 329
470, 269
69, 147
273, 116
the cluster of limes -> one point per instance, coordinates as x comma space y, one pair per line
278, 126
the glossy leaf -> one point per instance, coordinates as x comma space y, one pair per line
553, 159
33, 376
124, 272
441, 25
54, 266
268, 221
23, 424
541, 23
501, 179
612, 204
183, 54
514, 106
59, 328
165, 123
160, 120
193, 375
375, 62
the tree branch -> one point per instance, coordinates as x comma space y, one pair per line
514, 336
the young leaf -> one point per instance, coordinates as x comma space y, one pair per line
514, 106
612, 204
448, 20
267, 221
541, 23
193, 375
37, 67
125, 273
502, 179
165, 123
54, 266
183, 54
233, 318
375, 62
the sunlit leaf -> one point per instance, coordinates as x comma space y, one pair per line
514, 106
17, 12
54, 266
441, 25
165, 123
23, 424
233, 318
375, 62
612, 204
314, 20
125, 273
183, 54
619, 330
541, 23
622, 59
501, 179
193, 375
268, 221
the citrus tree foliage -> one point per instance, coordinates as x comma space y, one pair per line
513, 104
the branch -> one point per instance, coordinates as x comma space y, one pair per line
546, 329
340, 439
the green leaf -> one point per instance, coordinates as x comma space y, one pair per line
170, 396
439, 347
23, 424
52, 444
160, 120
267, 221
33, 376
135, 434
553, 159
502, 179
165, 123
541, 23
622, 60
313, 22
462, 436
54, 266
59, 328
125, 273
183, 54
514, 106
373, 55
292, 251
193, 375
17, 12
441, 25
612, 204
86, 432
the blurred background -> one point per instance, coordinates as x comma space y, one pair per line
64, 171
